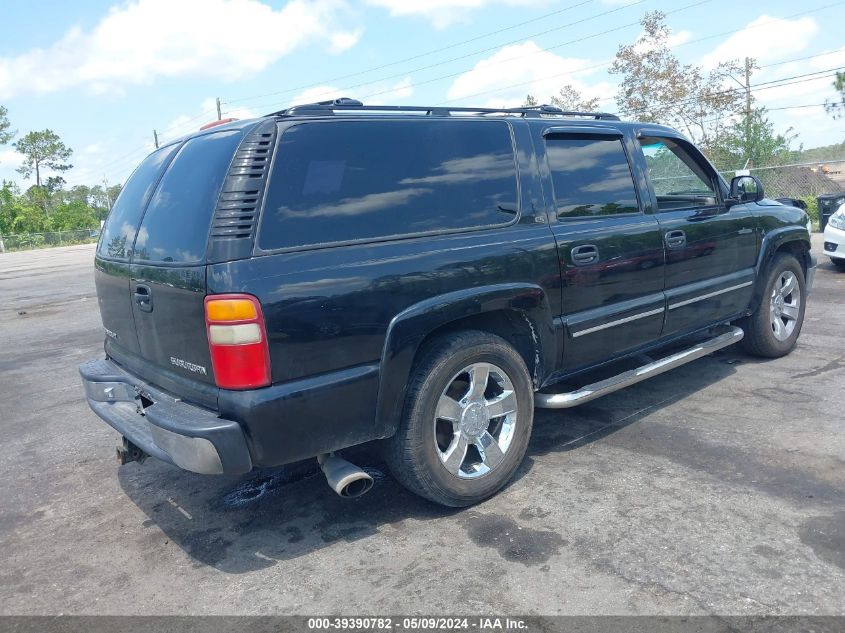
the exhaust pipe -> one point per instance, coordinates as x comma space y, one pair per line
344, 478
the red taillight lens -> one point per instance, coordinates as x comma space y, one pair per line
216, 123
237, 339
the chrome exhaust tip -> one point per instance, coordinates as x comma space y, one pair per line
345, 478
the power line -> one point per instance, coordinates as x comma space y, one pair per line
484, 50
578, 40
679, 45
415, 57
126, 161
510, 59
801, 59
765, 85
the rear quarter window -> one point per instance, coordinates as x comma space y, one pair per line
122, 223
177, 221
359, 180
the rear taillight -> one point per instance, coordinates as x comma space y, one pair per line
237, 339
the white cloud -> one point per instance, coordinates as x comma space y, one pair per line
10, 158
442, 13
765, 39
142, 40
514, 71
379, 92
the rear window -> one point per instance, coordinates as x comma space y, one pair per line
176, 224
354, 180
591, 177
122, 223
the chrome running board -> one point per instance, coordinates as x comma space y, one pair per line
728, 336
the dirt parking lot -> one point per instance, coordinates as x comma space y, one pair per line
716, 488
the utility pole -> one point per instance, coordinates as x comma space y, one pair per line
749, 66
219, 113
155, 138
106, 189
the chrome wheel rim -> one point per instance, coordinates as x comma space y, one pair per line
475, 420
785, 305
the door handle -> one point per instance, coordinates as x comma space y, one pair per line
586, 254
144, 298
675, 239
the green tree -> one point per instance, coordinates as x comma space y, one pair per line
7, 200
567, 98
657, 87
54, 184
20, 213
570, 99
753, 139
73, 215
6, 133
837, 108
42, 150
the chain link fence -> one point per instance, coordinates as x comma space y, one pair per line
804, 181
27, 241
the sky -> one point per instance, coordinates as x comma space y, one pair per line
104, 75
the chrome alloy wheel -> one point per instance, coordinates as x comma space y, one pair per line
475, 420
785, 305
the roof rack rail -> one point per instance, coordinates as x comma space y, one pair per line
345, 104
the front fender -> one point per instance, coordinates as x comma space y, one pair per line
774, 240
409, 328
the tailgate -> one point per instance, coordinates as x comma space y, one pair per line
167, 274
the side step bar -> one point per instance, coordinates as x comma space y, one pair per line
727, 335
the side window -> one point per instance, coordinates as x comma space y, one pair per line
591, 176
678, 180
176, 224
122, 223
356, 180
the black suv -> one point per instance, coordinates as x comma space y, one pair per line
287, 287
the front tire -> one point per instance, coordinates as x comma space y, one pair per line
838, 262
467, 420
772, 330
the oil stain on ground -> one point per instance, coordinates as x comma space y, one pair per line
513, 542
826, 536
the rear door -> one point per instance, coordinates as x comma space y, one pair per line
711, 248
115, 248
168, 265
610, 249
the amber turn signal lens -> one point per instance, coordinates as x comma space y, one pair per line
227, 310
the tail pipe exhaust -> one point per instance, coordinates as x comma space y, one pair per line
346, 479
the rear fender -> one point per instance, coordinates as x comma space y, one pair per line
410, 328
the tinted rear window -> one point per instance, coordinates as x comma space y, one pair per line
175, 226
352, 180
591, 177
122, 223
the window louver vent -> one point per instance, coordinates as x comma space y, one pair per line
238, 205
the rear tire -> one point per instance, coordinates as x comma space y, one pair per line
467, 420
772, 329
838, 262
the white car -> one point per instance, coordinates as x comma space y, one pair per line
834, 238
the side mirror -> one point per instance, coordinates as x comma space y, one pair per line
746, 189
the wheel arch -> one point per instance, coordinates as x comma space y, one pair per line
519, 313
790, 239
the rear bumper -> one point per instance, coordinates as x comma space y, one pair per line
188, 436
